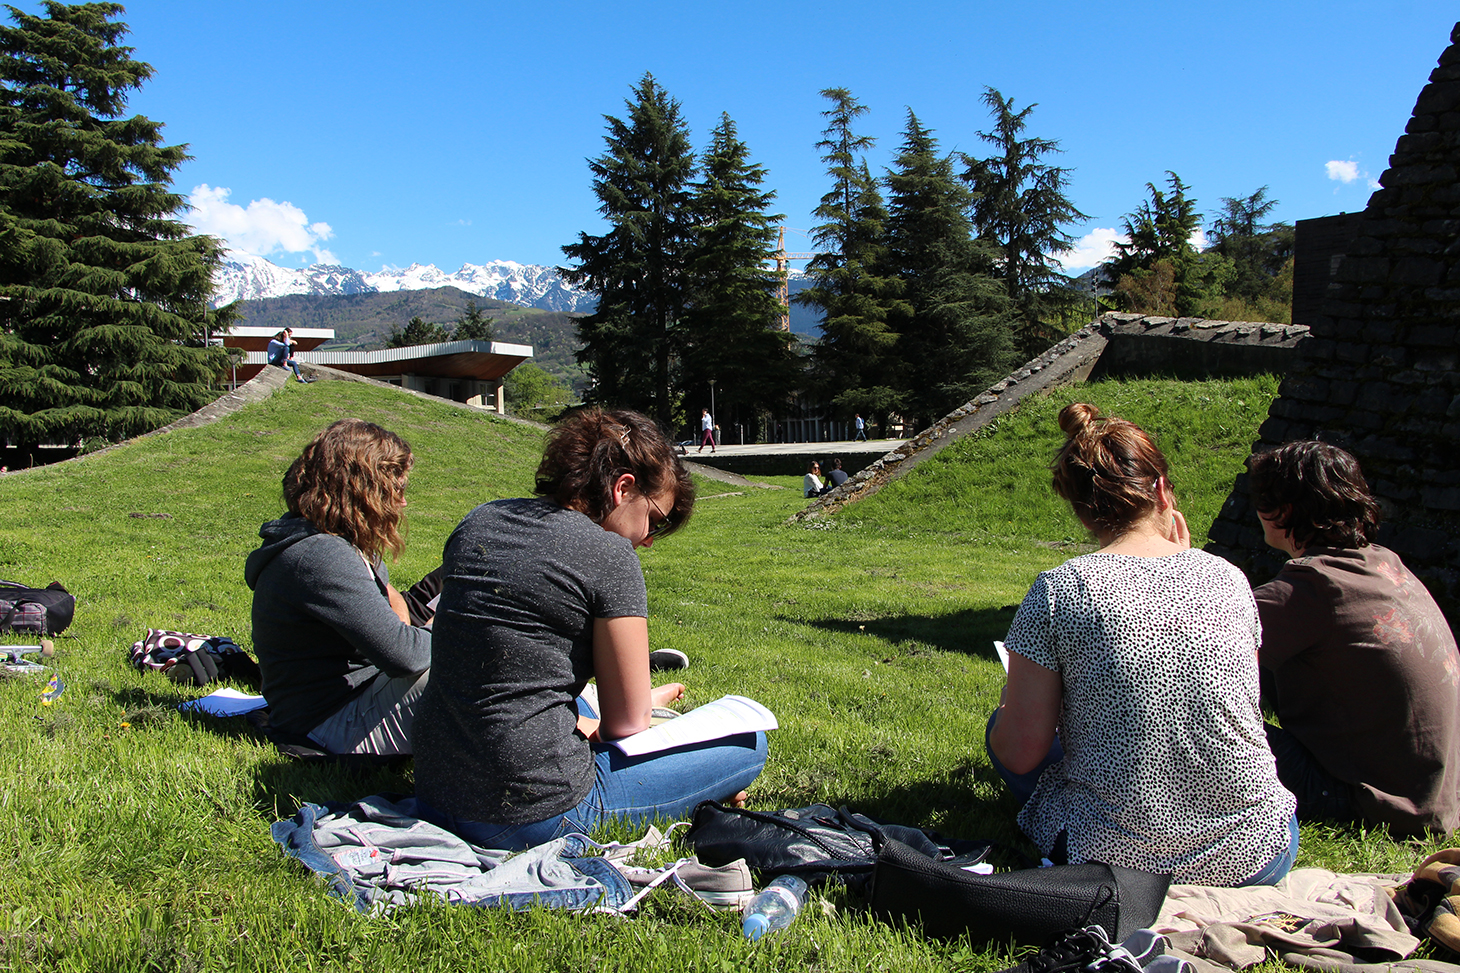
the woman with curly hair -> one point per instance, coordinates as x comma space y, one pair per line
541, 595
340, 661
1357, 658
1129, 728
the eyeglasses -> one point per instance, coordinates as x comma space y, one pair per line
664, 525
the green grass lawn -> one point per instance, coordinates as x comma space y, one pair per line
140, 835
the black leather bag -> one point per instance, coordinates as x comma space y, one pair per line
819, 843
1029, 906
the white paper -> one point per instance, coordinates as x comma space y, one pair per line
226, 702
726, 716
1003, 652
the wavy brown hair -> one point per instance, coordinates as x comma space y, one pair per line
1330, 499
590, 449
1108, 468
349, 482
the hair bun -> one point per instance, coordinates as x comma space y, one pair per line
1076, 418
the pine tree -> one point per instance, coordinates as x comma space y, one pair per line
852, 359
1261, 255
418, 331
1159, 271
951, 320
104, 317
473, 325
729, 331
1021, 206
637, 268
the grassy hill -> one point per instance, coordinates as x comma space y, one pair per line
139, 835
363, 322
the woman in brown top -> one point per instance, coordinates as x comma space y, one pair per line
1358, 661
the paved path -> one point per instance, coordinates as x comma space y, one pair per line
837, 447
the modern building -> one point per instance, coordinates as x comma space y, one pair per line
463, 371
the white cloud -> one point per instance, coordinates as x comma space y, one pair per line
1091, 249
1342, 171
463, 222
262, 228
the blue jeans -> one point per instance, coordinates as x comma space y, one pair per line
1021, 786
291, 364
638, 790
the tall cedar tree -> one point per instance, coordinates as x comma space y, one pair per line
473, 325
852, 359
103, 294
1019, 203
1261, 254
637, 268
952, 318
1160, 271
418, 331
728, 332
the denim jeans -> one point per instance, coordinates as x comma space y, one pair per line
1279, 867
638, 790
1021, 785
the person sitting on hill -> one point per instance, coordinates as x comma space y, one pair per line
341, 662
811, 482
541, 595
1129, 729
1358, 661
281, 353
836, 477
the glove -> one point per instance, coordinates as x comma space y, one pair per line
194, 667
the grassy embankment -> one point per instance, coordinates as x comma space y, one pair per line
139, 836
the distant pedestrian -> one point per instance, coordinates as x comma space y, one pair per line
861, 429
707, 429
281, 353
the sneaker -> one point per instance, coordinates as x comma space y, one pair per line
1144, 946
1075, 950
726, 887
668, 659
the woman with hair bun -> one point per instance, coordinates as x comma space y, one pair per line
539, 596
340, 661
1129, 728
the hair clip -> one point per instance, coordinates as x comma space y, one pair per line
623, 440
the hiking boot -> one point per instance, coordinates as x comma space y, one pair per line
1075, 950
726, 887
668, 659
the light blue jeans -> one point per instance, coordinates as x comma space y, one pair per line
638, 790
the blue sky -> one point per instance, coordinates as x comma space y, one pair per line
383, 134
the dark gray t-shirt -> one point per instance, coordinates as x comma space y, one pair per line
512, 647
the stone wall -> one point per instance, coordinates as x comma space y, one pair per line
1377, 375
1114, 344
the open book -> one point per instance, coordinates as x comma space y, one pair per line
725, 717
1003, 652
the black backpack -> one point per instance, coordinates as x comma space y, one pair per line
35, 611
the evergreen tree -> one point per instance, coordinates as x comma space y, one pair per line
1021, 206
473, 325
417, 332
104, 318
1260, 254
951, 319
637, 268
1160, 251
852, 359
729, 331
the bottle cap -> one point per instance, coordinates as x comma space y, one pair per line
754, 926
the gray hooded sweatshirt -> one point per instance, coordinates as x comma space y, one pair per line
322, 625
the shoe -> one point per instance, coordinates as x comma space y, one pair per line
726, 887
1075, 950
662, 659
1144, 946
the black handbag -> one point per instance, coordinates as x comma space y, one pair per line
1029, 906
819, 843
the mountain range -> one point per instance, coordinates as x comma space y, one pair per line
249, 278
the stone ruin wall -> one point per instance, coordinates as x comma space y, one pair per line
1377, 376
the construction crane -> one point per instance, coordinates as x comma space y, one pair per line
783, 260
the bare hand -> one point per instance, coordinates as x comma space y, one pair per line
667, 693
398, 604
1180, 534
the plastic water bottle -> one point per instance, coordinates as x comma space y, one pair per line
775, 907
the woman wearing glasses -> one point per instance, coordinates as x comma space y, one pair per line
541, 595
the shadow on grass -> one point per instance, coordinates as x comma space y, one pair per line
971, 631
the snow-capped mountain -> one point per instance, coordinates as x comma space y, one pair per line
250, 278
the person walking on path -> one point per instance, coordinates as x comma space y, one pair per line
281, 353
861, 429
707, 430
